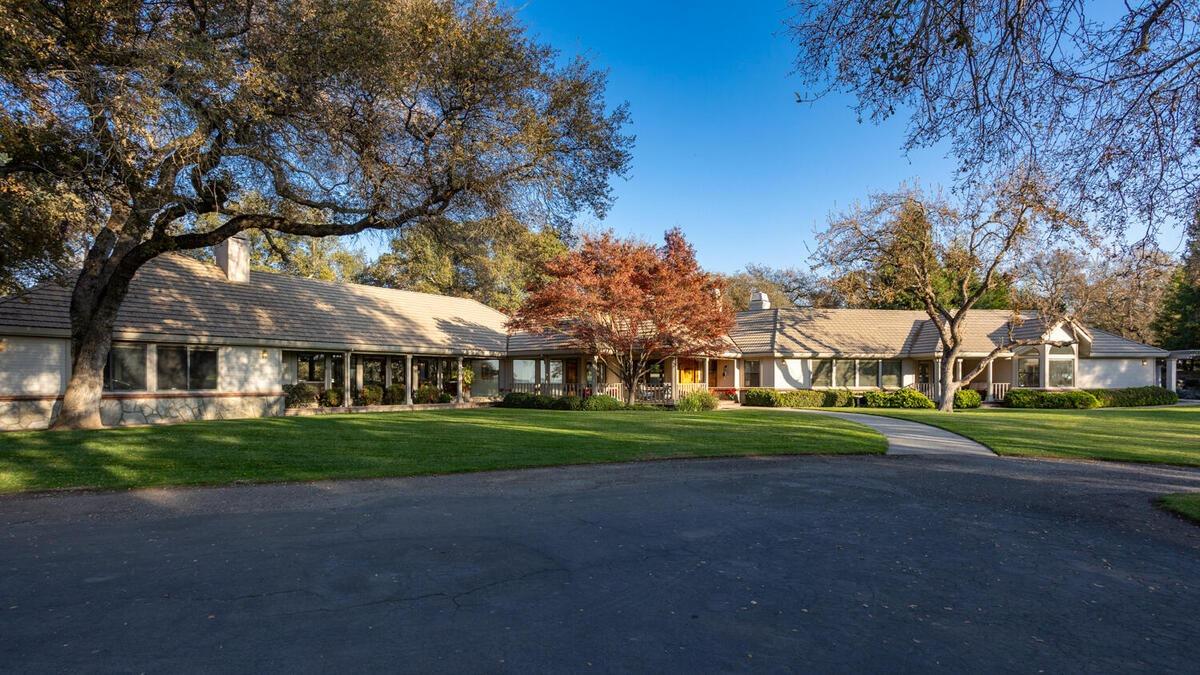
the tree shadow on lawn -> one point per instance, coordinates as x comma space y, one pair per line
398, 444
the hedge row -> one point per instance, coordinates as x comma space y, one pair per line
1031, 398
542, 402
835, 398
1134, 397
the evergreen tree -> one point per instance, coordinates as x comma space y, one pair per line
1178, 321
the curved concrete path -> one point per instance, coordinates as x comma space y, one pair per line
914, 438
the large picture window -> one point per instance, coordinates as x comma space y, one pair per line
1062, 373
486, 378
183, 368
1029, 372
843, 373
524, 371
125, 369
868, 373
889, 373
822, 373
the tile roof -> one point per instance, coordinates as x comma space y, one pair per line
177, 297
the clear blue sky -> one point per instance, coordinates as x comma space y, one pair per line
723, 150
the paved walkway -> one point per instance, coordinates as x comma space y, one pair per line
914, 438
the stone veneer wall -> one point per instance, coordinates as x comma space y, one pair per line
36, 414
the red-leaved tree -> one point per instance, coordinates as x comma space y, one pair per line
631, 303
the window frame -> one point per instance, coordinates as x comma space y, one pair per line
107, 374
747, 374
188, 375
823, 368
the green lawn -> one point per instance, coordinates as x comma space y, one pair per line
1153, 435
1186, 505
404, 444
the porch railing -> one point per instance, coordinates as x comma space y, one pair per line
999, 391
927, 388
557, 390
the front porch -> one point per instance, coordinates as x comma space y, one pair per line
580, 376
1038, 367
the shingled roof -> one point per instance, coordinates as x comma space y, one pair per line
178, 298
175, 297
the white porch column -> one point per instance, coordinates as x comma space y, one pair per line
706, 367
1172, 366
988, 395
1044, 366
459, 398
346, 379
538, 364
737, 375
958, 369
408, 379
937, 376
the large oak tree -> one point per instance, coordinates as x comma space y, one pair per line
631, 303
153, 119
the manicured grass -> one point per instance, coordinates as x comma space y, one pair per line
404, 444
1186, 505
1151, 435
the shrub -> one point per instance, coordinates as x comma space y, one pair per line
444, 397
1030, 398
764, 398
299, 395
801, 398
967, 398
570, 402
517, 399
371, 394
1134, 396
333, 397
696, 401
838, 398
901, 398
394, 395
603, 402
428, 393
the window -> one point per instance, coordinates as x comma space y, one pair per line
337, 369
1029, 373
889, 375
868, 373
597, 373
843, 373
822, 373
486, 378
399, 377
372, 368
552, 372
923, 373
310, 367
524, 371
1062, 351
1062, 372
181, 368
126, 368
753, 374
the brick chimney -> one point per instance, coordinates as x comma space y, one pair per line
759, 300
233, 257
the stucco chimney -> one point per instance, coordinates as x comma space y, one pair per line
233, 257
759, 300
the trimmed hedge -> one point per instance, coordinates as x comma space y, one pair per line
1133, 397
901, 398
967, 398
567, 403
603, 402
696, 401
1031, 398
299, 395
800, 398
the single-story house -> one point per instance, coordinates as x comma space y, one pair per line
194, 340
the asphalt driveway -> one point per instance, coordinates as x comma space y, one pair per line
809, 563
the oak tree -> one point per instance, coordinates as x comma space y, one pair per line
156, 117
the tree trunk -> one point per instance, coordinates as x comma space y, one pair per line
950, 385
95, 302
631, 391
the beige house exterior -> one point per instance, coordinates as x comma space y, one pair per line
195, 340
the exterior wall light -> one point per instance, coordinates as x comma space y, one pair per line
262, 354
